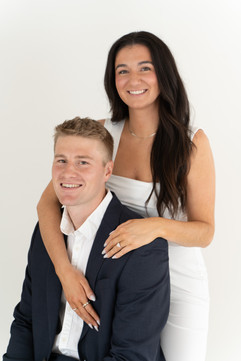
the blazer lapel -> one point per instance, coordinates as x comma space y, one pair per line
54, 292
109, 222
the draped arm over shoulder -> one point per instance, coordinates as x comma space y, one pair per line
142, 305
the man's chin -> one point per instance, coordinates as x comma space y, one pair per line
67, 201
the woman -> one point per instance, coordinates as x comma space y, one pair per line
163, 170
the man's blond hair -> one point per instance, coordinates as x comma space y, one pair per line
87, 128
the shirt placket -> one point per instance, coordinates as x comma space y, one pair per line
69, 319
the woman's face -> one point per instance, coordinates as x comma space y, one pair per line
135, 77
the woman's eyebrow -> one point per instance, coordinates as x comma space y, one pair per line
120, 66
145, 62
140, 63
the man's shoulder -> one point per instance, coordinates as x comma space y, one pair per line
37, 247
125, 212
36, 233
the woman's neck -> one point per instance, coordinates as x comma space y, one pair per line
143, 123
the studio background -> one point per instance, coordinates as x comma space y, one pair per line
53, 55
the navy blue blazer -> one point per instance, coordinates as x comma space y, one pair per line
132, 300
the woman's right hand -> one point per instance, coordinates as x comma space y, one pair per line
78, 292
76, 288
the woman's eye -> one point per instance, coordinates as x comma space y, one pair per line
122, 72
145, 68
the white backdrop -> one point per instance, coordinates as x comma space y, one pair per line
52, 62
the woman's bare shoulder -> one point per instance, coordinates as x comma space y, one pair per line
202, 146
102, 121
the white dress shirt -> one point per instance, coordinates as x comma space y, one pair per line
79, 244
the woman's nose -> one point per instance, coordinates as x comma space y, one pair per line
134, 78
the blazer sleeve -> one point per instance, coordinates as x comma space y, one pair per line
142, 305
21, 340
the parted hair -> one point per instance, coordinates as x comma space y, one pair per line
172, 146
87, 128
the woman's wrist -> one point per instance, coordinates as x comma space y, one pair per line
63, 268
156, 226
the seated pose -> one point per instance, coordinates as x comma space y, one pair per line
163, 170
131, 293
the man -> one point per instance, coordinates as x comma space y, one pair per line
132, 292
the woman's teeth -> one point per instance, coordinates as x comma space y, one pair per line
136, 92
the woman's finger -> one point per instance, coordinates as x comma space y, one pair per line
111, 240
86, 314
86, 311
86, 287
93, 314
119, 236
122, 252
114, 247
117, 252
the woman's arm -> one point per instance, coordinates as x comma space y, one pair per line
75, 285
198, 231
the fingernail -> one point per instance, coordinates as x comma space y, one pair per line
105, 256
114, 257
98, 322
96, 328
103, 252
89, 324
105, 244
92, 298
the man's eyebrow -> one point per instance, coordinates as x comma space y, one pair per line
59, 156
140, 63
83, 157
77, 156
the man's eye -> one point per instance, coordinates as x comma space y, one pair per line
83, 162
61, 161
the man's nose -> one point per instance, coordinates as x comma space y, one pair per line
70, 170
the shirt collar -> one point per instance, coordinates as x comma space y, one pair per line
91, 224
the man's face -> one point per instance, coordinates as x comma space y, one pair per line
79, 172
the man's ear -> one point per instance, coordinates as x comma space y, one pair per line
108, 169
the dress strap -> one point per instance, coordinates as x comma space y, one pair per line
115, 129
193, 130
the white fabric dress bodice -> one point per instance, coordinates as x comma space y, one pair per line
133, 193
184, 336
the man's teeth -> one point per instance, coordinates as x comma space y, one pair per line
136, 92
65, 185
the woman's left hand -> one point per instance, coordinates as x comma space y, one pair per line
130, 235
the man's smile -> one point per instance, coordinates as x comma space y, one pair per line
68, 185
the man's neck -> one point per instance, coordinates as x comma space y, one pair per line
78, 214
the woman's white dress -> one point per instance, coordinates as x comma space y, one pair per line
184, 337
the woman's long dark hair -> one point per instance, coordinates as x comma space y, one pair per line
171, 149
